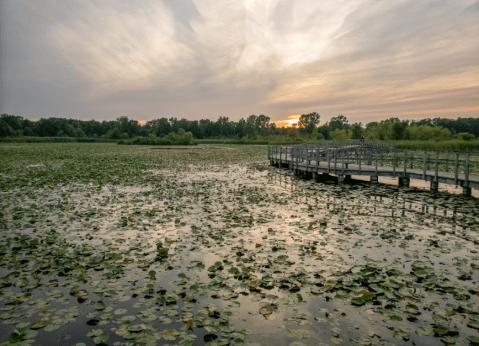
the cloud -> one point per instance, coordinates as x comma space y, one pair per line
204, 58
115, 50
386, 53
255, 41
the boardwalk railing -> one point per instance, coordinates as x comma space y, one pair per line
374, 158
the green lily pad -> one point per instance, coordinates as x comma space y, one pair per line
424, 331
38, 324
51, 327
441, 330
137, 328
298, 333
170, 334
101, 339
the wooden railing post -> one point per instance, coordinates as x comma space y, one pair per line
360, 153
456, 168
297, 160
335, 159
328, 153
290, 161
405, 162
424, 167
394, 162
466, 171
291, 155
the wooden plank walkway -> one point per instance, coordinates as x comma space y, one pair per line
375, 159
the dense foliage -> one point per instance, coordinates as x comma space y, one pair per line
180, 138
253, 128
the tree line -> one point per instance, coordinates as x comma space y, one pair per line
253, 127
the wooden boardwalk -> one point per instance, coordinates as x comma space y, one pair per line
375, 159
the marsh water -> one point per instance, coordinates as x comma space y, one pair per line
213, 250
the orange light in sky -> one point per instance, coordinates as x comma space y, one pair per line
292, 119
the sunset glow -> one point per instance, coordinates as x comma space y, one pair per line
292, 119
202, 59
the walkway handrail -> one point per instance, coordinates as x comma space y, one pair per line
430, 165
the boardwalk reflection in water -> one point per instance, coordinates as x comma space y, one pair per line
399, 202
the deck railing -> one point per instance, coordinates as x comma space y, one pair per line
365, 154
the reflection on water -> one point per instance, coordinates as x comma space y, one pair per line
400, 201
257, 248
421, 184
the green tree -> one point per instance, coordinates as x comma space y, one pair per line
356, 131
262, 124
79, 133
338, 123
28, 131
309, 121
250, 126
5, 129
426, 132
240, 128
113, 134
339, 135
316, 134
464, 136
13, 121
398, 129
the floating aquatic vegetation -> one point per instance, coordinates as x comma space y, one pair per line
129, 246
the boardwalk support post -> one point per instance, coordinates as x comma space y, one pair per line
404, 182
466, 171
434, 185
324, 176
456, 168
341, 179
424, 167
374, 179
467, 191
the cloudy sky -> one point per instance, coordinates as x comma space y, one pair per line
366, 59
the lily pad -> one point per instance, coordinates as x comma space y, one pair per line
298, 333
38, 324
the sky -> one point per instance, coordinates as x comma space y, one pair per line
368, 60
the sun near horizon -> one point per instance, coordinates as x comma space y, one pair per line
292, 119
